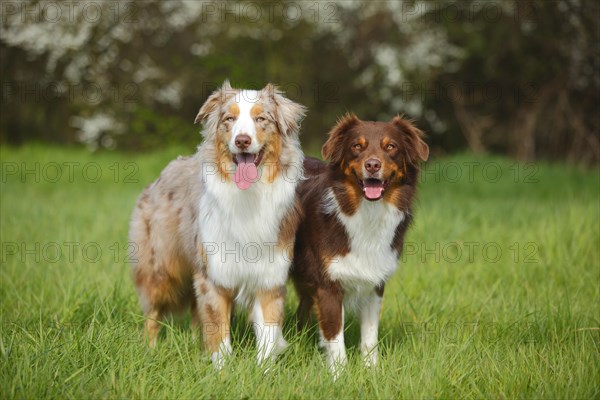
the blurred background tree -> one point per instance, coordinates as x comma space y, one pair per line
513, 77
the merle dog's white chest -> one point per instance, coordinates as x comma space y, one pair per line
240, 230
372, 259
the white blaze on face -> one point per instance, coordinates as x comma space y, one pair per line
245, 124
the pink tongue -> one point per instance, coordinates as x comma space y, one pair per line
373, 189
246, 172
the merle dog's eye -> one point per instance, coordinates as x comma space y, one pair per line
229, 119
390, 146
260, 119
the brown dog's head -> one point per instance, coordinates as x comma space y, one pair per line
375, 155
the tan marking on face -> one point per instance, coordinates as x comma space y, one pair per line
224, 158
353, 165
390, 169
353, 196
256, 110
262, 135
270, 140
352, 170
234, 109
271, 158
385, 142
392, 194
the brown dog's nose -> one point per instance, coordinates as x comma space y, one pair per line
373, 165
242, 142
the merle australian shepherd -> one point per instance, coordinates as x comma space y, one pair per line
219, 226
356, 211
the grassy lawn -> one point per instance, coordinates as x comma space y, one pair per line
498, 295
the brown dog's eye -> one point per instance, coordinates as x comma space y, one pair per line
390, 146
357, 147
260, 119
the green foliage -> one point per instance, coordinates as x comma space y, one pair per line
526, 69
524, 325
147, 129
510, 77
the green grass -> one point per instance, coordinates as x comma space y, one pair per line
455, 324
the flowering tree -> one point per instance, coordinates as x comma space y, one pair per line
518, 77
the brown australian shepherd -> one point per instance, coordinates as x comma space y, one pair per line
356, 212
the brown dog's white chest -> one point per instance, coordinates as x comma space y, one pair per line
371, 230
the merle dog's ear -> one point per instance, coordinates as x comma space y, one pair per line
415, 145
289, 114
213, 102
333, 149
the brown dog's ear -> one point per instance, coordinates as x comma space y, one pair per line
414, 139
288, 113
214, 100
333, 149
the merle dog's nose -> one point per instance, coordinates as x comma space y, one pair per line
373, 165
242, 142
